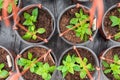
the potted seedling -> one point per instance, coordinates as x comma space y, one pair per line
6, 63
78, 63
74, 25
35, 62
110, 63
34, 24
9, 7
111, 23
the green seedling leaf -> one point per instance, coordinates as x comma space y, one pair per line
115, 21
116, 58
77, 15
35, 14
3, 74
1, 4
105, 64
74, 21
41, 30
83, 74
27, 36
107, 71
69, 26
119, 10
29, 55
34, 37
26, 15
10, 8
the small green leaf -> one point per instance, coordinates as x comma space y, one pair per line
77, 15
2, 65
74, 21
64, 74
32, 69
41, 30
35, 14
76, 68
117, 36
10, 8
68, 58
71, 70
119, 10
107, 71
83, 74
29, 55
34, 37
31, 28
117, 77
60, 67
4, 74
27, 36
116, 58
69, 26
105, 64
115, 20
28, 23
26, 15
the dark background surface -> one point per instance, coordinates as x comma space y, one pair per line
9, 40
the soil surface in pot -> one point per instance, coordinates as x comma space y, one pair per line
44, 20
83, 53
3, 54
109, 30
64, 21
37, 52
109, 55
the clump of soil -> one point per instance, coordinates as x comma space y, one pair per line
64, 21
83, 53
44, 20
109, 55
3, 59
109, 30
36, 52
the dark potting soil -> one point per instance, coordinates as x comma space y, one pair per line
64, 21
83, 53
37, 52
44, 20
3, 59
109, 55
109, 30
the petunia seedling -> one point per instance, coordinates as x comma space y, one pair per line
29, 22
39, 68
113, 68
3, 73
73, 64
82, 31
115, 23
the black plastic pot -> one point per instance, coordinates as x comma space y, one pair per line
104, 77
95, 75
19, 4
103, 32
58, 25
44, 8
11, 57
41, 46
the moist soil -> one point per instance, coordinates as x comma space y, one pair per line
37, 52
109, 30
3, 59
109, 55
64, 21
44, 20
83, 53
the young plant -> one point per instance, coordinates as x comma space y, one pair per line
81, 68
113, 68
72, 64
40, 68
9, 9
3, 73
44, 70
29, 22
116, 23
82, 31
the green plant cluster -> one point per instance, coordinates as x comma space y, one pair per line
39, 68
3, 73
113, 68
83, 30
29, 22
72, 63
9, 10
115, 23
